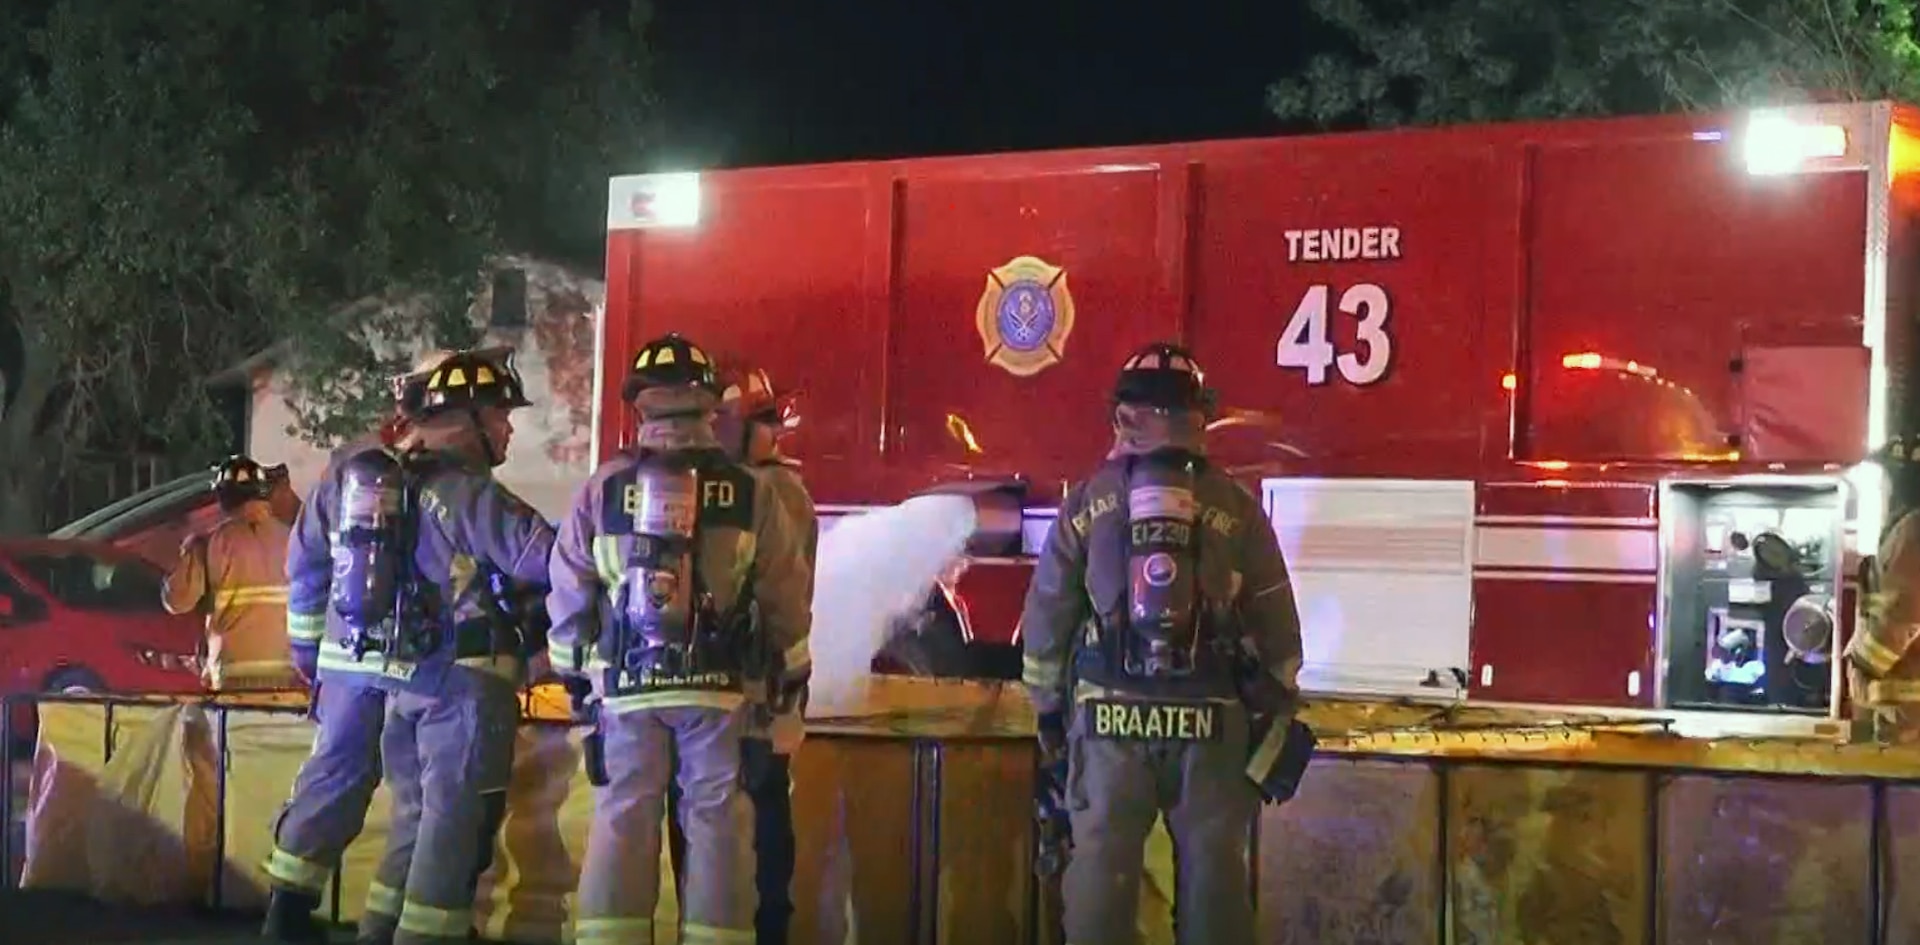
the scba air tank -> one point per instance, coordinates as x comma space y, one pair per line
366, 543
1162, 594
659, 600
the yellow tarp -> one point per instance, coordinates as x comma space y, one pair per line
852, 804
143, 827
138, 828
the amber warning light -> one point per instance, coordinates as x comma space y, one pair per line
1591, 361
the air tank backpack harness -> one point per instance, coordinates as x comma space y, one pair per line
1153, 641
668, 632
389, 609
376, 587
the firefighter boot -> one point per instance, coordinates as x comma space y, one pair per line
290, 919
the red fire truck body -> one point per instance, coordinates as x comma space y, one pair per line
1523, 401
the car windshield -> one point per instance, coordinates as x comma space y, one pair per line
85, 581
129, 514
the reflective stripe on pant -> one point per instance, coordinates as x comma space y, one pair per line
620, 877
447, 760
1115, 792
331, 793
769, 783
254, 677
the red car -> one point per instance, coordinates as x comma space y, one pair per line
80, 616
152, 523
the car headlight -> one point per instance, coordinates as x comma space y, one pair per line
163, 660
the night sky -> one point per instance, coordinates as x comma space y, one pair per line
748, 82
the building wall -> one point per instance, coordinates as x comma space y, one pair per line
549, 456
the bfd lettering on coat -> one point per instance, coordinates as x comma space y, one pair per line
1184, 722
1342, 243
714, 494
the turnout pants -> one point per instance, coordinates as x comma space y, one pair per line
769, 784
1115, 791
448, 757
331, 793
620, 878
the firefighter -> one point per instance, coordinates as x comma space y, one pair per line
281, 496
667, 551
236, 573
328, 806
1160, 576
434, 558
1884, 667
751, 419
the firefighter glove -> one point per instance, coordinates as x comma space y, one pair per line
757, 763
306, 662
791, 694
1053, 737
579, 693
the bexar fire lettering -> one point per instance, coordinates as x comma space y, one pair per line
1307, 341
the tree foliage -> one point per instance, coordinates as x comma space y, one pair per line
1441, 61
185, 183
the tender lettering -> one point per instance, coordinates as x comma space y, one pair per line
1343, 243
1185, 722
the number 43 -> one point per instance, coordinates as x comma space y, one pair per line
1304, 343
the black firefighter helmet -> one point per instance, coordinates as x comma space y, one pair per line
473, 379
1899, 452
1165, 377
238, 479
670, 361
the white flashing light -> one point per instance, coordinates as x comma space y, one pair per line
1775, 144
654, 201
1869, 484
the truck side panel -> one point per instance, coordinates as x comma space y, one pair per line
1565, 593
1341, 290
1545, 320
1668, 260
949, 408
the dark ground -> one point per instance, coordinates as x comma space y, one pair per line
58, 918
62, 918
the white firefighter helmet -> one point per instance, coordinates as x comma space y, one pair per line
1735, 639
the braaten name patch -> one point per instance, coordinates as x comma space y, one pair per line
1147, 721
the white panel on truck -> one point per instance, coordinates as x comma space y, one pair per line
1383, 571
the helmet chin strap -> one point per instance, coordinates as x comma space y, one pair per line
494, 456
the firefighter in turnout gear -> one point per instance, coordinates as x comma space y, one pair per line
1160, 578
424, 568
1882, 659
675, 565
328, 807
236, 574
750, 422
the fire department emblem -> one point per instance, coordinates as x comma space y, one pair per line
1025, 316
1160, 569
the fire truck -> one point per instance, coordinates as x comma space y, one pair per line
1568, 413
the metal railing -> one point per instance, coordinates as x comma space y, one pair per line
1287, 826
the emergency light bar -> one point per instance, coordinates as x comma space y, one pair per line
1775, 144
653, 201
